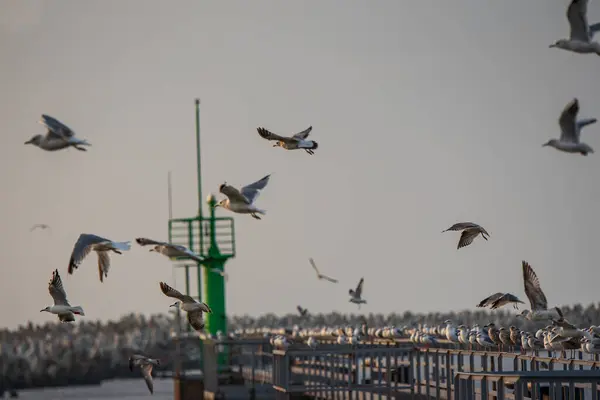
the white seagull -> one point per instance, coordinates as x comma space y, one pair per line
170, 250
242, 201
297, 141
570, 131
59, 136
319, 274
145, 365
88, 242
537, 298
580, 39
355, 295
193, 308
470, 232
61, 306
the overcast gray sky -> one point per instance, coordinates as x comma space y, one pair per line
426, 112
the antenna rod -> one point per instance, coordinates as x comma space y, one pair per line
170, 194
198, 158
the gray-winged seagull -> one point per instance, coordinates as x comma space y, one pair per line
355, 295
88, 242
470, 232
170, 250
242, 201
59, 136
61, 306
145, 365
297, 141
570, 131
537, 298
580, 38
319, 274
193, 308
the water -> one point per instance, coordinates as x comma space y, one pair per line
130, 389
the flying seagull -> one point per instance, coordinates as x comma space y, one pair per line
145, 365
303, 311
570, 131
193, 308
40, 226
170, 250
319, 274
61, 306
537, 298
470, 232
59, 136
355, 295
242, 201
580, 38
500, 299
88, 242
297, 141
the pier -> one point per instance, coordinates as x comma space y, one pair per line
392, 369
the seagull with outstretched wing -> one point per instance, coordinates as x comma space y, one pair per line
242, 201
319, 274
297, 141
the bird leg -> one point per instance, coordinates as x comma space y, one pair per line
255, 216
80, 148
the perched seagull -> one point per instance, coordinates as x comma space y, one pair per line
88, 242
580, 39
59, 136
319, 274
355, 295
170, 250
193, 308
312, 342
40, 226
537, 298
297, 141
500, 299
242, 201
303, 311
61, 306
145, 365
570, 131
470, 232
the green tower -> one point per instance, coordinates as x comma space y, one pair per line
209, 237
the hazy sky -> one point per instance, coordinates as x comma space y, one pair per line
426, 112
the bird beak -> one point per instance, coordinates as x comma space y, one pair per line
552, 45
28, 142
43, 310
545, 144
151, 250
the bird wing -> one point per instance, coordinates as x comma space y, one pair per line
490, 299
170, 292
265, 134
532, 288
505, 299
466, 237
302, 135
566, 121
56, 127
577, 16
312, 262
57, 291
103, 264
563, 323
300, 310
82, 248
358, 290
195, 319
144, 242
147, 373
66, 317
252, 190
329, 279
462, 225
232, 194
